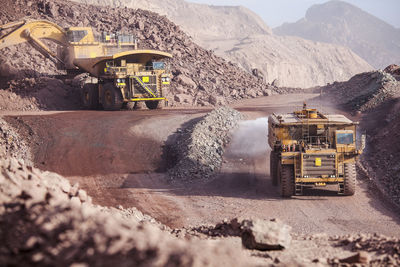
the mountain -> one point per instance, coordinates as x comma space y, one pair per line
239, 35
341, 23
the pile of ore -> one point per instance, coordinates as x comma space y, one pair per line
364, 91
12, 145
198, 149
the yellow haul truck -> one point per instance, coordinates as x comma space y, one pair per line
312, 149
124, 73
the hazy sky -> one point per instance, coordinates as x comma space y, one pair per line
276, 12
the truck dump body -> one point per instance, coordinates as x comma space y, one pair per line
310, 148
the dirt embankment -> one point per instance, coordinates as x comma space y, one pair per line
376, 95
365, 91
200, 77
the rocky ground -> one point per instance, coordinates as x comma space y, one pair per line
45, 220
200, 77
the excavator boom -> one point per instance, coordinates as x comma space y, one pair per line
31, 31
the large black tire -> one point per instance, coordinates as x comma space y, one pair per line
111, 98
155, 104
350, 175
273, 162
90, 96
287, 180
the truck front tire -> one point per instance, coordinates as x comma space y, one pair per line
90, 96
273, 168
154, 104
111, 98
350, 175
287, 180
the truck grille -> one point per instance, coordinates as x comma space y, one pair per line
317, 165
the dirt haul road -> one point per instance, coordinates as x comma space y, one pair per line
119, 158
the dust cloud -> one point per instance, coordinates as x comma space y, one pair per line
250, 139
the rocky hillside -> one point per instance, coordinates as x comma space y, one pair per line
200, 21
239, 35
200, 77
341, 23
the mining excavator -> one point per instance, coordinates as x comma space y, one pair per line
121, 73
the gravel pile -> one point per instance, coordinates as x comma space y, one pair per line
364, 91
12, 145
200, 77
198, 149
44, 221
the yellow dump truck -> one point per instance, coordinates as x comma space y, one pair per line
123, 73
313, 149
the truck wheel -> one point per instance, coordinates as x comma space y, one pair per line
349, 179
287, 180
273, 168
153, 104
112, 99
90, 96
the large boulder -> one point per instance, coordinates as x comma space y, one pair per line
185, 80
183, 98
265, 235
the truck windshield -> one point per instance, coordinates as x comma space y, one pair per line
344, 138
158, 65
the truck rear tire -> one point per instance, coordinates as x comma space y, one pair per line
155, 104
350, 175
90, 96
287, 180
273, 168
112, 98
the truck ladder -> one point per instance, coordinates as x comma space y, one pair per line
298, 187
147, 89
